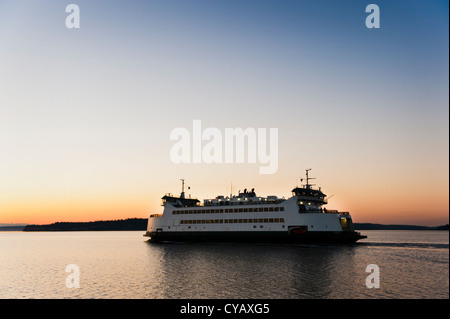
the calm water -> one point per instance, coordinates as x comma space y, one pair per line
412, 264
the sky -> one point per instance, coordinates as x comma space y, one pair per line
86, 113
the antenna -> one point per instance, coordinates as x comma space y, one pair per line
182, 188
308, 185
231, 191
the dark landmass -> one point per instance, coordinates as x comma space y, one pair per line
12, 228
141, 224
368, 226
102, 225
443, 227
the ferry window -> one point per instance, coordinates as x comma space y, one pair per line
270, 209
261, 220
226, 221
235, 221
260, 226
266, 209
270, 220
260, 209
254, 226
221, 211
282, 209
245, 220
241, 210
277, 220
282, 220
277, 209
221, 221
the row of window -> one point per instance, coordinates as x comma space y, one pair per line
229, 210
233, 221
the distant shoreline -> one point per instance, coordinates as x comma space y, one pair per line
141, 224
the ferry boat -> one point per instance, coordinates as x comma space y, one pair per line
250, 218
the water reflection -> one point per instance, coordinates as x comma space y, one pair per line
250, 270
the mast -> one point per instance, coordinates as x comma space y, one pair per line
182, 188
308, 185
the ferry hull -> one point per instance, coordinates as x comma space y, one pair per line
256, 237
